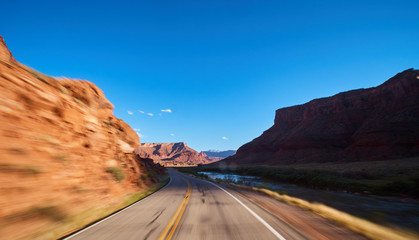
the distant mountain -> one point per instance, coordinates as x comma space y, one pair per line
377, 123
172, 154
220, 154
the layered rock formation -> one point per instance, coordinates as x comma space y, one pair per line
62, 150
361, 125
172, 154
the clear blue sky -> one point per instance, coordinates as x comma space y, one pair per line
221, 67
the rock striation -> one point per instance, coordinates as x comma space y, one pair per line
377, 123
62, 151
172, 154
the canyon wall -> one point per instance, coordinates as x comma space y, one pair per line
377, 123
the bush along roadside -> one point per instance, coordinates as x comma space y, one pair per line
362, 226
91, 216
389, 183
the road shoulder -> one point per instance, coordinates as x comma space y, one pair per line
309, 223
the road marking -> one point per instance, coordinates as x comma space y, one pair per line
178, 215
113, 214
181, 213
279, 236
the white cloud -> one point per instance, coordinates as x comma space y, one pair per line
172, 134
167, 110
130, 113
224, 138
137, 129
141, 111
150, 114
140, 135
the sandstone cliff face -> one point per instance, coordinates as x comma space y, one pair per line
62, 151
361, 125
172, 154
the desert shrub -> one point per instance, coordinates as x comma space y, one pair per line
201, 175
53, 212
218, 180
265, 186
281, 192
109, 123
400, 187
151, 174
117, 173
33, 169
61, 157
359, 175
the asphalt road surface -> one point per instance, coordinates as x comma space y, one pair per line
190, 208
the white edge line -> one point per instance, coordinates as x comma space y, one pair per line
113, 214
279, 236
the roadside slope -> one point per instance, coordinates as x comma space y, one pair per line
62, 152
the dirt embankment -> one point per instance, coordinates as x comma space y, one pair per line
62, 151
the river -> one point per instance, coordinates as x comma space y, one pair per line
383, 210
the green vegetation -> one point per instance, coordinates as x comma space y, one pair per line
33, 169
151, 174
42, 77
367, 228
82, 219
22, 169
53, 212
264, 186
389, 178
117, 173
362, 226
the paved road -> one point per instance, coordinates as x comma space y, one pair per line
190, 208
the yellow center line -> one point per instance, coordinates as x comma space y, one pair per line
178, 215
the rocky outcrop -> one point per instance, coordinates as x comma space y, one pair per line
5, 54
361, 125
172, 154
62, 150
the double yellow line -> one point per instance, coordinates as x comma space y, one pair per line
178, 215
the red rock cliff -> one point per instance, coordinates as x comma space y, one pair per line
367, 124
172, 154
62, 150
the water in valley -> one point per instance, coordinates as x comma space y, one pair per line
390, 211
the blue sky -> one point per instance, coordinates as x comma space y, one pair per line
221, 67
